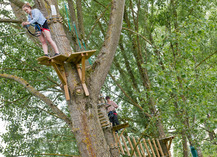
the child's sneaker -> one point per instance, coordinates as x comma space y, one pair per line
56, 54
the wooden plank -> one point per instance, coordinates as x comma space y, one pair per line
120, 145
85, 89
83, 69
44, 60
159, 146
60, 58
155, 146
118, 127
66, 92
125, 144
83, 84
131, 146
137, 148
150, 145
73, 56
77, 60
57, 62
170, 143
62, 79
146, 147
142, 150
116, 145
122, 132
168, 147
105, 125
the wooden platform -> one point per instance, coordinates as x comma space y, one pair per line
44, 60
58, 63
77, 56
60, 59
121, 126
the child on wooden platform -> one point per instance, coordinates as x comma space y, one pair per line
36, 17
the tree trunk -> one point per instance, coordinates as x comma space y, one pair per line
85, 123
184, 146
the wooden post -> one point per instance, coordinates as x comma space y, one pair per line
66, 92
62, 79
83, 84
122, 137
131, 146
146, 147
83, 68
120, 145
150, 145
159, 146
156, 148
116, 145
140, 144
137, 147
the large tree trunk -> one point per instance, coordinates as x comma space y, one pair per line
85, 123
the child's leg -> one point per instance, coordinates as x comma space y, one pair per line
50, 40
44, 43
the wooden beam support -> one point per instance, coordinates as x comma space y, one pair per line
60, 70
83, 84
61, 77
83, 68
66, 92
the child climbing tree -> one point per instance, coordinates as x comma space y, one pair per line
82, 120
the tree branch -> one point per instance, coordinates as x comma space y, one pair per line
10, 21
106, 55
205, 59
17, 3
133, 102
39, 95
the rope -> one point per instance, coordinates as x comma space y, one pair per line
67, 17
77, 34
89, 60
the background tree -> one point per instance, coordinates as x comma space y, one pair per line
163, 75
82, 116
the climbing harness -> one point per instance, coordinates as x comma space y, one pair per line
34, 29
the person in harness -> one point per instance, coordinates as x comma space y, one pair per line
111, 107
36, 17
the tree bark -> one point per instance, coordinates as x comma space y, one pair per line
84, 119
184, 146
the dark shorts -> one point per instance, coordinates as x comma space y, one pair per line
45, 26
